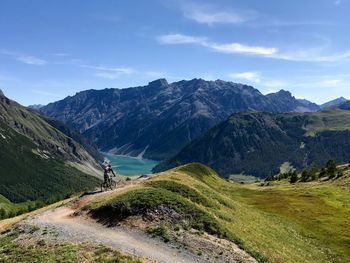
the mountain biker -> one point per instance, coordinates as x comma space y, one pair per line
107, 169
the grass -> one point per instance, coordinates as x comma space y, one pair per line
318, 212
146, 200
42, 251
330, 120
27, 176
304, 222
182, 190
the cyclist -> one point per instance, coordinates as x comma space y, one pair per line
107, 169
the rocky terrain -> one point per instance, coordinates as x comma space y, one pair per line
155, 121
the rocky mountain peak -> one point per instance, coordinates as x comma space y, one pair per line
283, 93
158, 82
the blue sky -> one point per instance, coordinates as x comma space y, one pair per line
52, 49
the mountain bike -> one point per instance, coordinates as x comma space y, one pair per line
109, 185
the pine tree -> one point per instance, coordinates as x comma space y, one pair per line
294, 177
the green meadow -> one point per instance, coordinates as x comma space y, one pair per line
303, 222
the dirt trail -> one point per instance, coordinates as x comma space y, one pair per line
71, 227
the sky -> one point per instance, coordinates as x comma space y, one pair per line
52, 49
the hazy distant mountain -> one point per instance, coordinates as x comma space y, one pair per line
35, 106
290, 103
332, 103
157, 120
310, 106
257, 143
38, 160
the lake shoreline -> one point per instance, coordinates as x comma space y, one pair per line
130, 166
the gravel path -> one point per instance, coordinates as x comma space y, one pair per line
69, 226
77, 228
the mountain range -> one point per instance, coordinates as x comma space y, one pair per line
39, 160
157, 120
259, 143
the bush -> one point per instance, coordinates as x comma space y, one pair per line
331, 168
3, 213
161, 231
294, 177
310, 174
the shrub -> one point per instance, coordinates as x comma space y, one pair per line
294, 177
3, 213
331, 168
161, 231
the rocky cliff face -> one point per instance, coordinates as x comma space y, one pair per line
157, 120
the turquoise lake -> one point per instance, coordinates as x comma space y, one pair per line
125, 165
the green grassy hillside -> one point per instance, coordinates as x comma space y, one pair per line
42, 133
258, 143
37, 161
30, 173
303, 222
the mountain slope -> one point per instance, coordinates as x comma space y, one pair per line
270, 222
157, 120
290, 103
256, 143
333, 103
37, 160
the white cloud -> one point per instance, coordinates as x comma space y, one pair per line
110, 72
30, 60
174, 39
306, 55
250, 76
231, 48
271, 85
210, 18
337, 2
311, 56
211, 14
26, 59
234, 48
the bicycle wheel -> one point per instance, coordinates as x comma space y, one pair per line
113, 184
